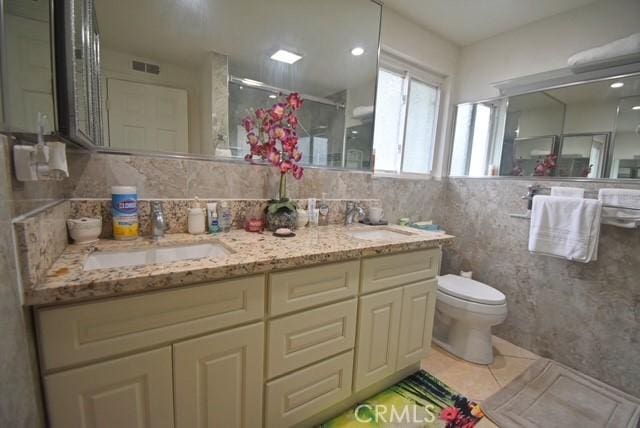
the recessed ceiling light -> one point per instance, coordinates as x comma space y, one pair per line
617, 85
286, 56
252, 82
354, 132
273, 96
357, 51
635, 108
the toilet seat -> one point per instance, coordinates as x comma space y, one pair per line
471, 307
468, 290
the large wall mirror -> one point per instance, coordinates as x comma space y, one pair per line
585, 130
179, 76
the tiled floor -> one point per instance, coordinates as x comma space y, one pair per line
477, 382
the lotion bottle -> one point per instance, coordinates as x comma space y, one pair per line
212, 217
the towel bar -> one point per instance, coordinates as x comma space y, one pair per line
536, 189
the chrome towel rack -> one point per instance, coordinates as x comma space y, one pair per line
536, 189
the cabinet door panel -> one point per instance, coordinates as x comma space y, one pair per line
296, 397
301, 339
382, 272
83, 332
378, 328
416, 324
302, 288
218, 379
129, 392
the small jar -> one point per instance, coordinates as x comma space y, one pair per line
197, 222
254, 221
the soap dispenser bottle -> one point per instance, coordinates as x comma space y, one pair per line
225, 217
196, 218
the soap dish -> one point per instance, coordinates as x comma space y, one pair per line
370, 223
284, 232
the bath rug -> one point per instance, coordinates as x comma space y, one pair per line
549, 394
419, 400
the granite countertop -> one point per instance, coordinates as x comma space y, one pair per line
251, 253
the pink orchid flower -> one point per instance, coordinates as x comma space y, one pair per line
248, 124
294, 101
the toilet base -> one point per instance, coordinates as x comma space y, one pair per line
467, 342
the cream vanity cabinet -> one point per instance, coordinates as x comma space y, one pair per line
268, 350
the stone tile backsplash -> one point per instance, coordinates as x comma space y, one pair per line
176, 211
40, 239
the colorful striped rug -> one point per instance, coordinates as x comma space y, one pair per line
419, 400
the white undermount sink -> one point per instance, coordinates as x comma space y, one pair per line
379, 234
155, 255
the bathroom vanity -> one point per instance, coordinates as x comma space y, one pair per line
302, 329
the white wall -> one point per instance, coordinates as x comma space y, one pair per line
590, 116
414, 43
542, 46
541, 121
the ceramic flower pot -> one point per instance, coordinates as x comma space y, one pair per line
281, 218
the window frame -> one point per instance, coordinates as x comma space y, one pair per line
412, 72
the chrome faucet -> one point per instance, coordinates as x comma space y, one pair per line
352, 211
158, 221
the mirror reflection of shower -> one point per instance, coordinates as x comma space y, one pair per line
321, 129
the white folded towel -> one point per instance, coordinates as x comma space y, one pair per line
564, 227
569, 192
619, 212
626, 47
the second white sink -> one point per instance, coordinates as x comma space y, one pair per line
379, 234
155, 255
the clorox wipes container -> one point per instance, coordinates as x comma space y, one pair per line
124, 210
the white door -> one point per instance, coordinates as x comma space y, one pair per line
29, 71
378, 328
147, 117
129, 392
416, 323
218, 379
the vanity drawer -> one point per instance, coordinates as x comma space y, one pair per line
379, 273
302, 288
298, 396
301, 339
84, 332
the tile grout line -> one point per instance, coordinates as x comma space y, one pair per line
494, 377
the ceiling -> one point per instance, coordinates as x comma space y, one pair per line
249, 31
465, 22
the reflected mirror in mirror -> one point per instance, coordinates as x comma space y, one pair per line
28, 67
589, 130
179, 77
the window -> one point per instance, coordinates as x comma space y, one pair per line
477, 138
407, 105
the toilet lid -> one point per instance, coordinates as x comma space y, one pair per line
470, 290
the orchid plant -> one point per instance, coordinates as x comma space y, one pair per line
272, 137
546, 167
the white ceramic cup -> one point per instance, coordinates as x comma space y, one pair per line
375, 214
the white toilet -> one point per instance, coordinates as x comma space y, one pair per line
465, 312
